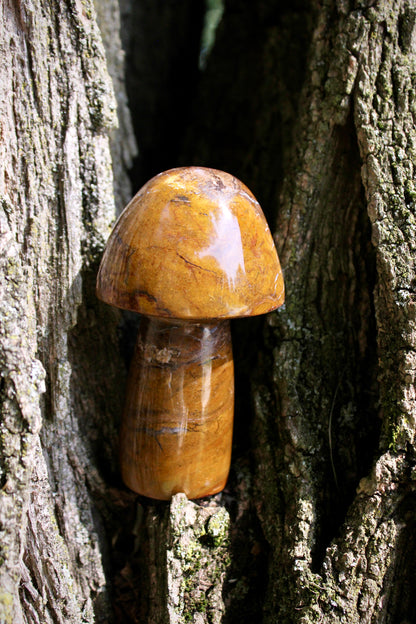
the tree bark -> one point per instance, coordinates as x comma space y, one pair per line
347, 490
57, 202
331, 133
312, 106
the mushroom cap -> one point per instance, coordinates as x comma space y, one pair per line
192, 244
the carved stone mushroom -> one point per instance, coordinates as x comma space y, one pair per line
190, 251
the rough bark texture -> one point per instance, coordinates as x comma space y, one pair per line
342, 497
57, 202
333, 436
312, 105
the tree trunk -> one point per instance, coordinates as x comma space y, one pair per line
57, 203
333, 434
312, 106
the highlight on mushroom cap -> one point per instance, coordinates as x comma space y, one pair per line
193, 244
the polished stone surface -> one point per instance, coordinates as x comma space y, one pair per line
177, 426
191, 250
192, 244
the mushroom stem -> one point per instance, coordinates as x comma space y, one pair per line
177, 425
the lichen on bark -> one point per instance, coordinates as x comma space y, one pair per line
328, 394
197, 561
57, 107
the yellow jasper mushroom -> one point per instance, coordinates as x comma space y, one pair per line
189, 252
